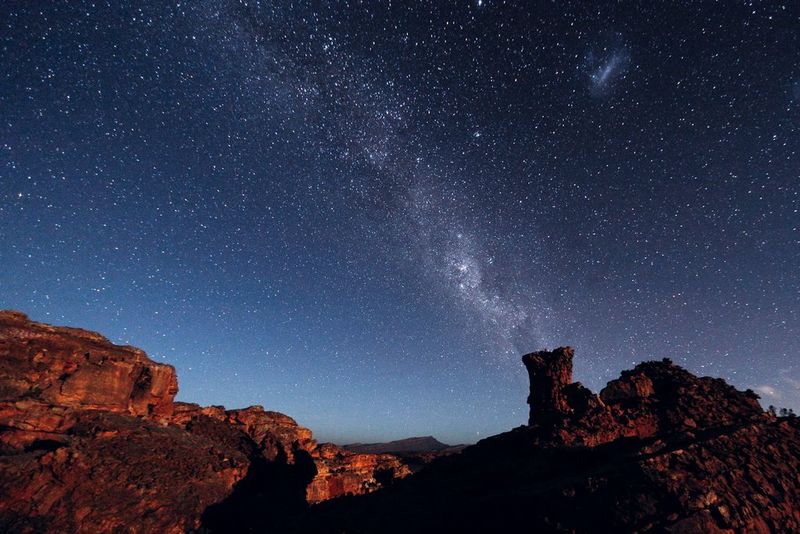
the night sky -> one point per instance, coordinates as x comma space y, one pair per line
361, 214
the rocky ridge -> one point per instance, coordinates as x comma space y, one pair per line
91, 440
657, 450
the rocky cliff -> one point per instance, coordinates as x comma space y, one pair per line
91, 440
48, 374
657, 450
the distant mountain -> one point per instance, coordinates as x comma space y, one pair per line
408, 445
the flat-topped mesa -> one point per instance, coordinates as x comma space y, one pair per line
550, 372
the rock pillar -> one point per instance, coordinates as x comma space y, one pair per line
550, 373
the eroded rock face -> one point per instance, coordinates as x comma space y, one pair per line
549, 373
334, 471
116, 473
91, 440
278, 437
654, 398
658, 450
86, 443
78, 369
341, 472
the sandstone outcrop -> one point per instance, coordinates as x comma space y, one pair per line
91, 440
47, 373
114, 473
655, 398
341, 472
279, 438
549, 373
658, 450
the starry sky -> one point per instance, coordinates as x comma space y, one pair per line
361, 214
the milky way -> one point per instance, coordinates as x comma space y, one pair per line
361, 214
364, 114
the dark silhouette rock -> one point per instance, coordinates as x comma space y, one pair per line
550, 373
659, 450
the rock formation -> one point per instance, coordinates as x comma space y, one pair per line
658, 450
341, 472
279, 438
91, 440
49, 373
655, 398
549, 373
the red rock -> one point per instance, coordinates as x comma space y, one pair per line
75, 368
279, 438
658, 449
276, 434
115, 473
91, 440
340, 472
637, 386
